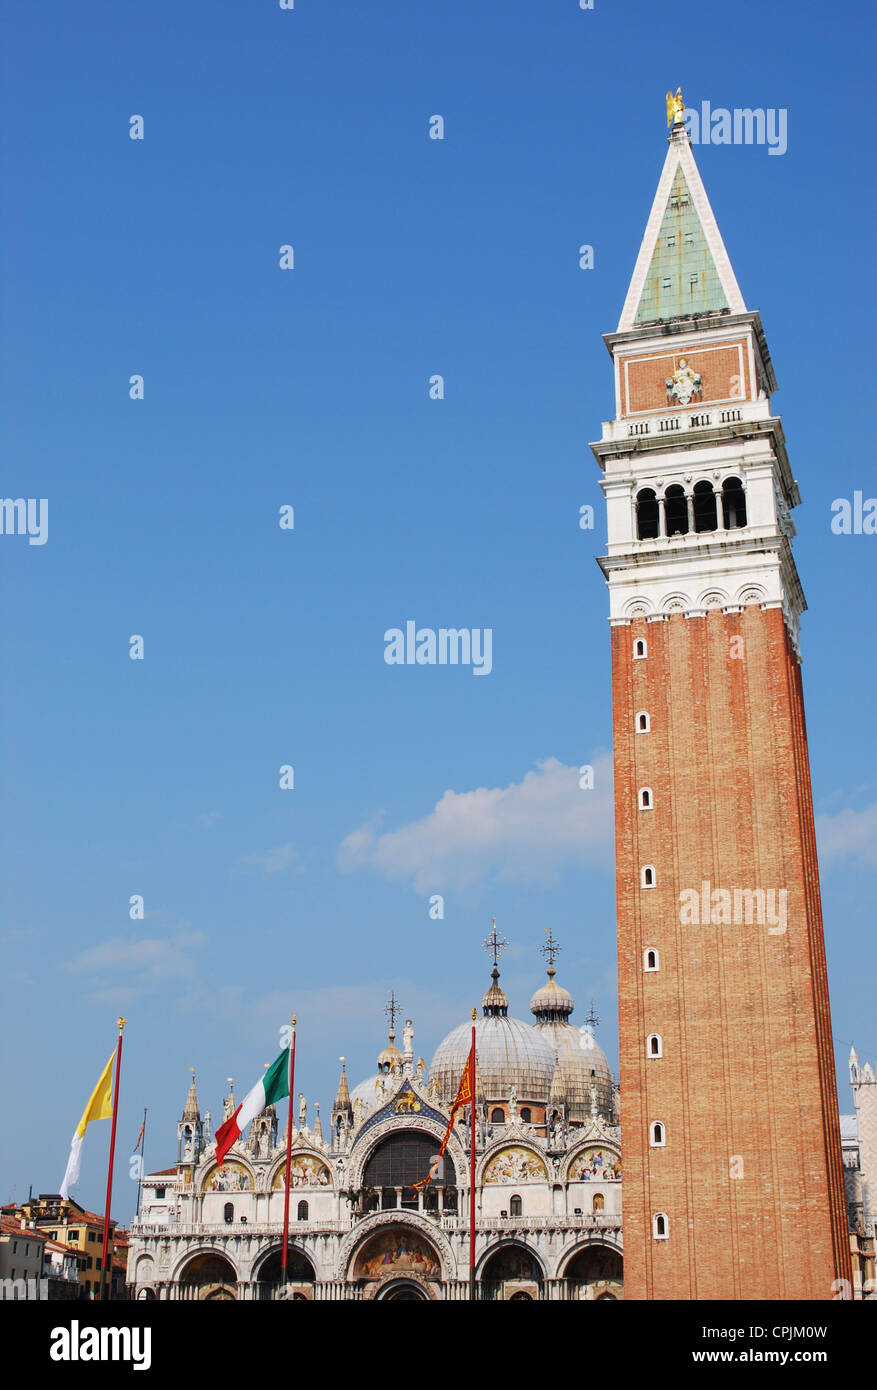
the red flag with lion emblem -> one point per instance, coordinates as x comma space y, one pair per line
464, 1097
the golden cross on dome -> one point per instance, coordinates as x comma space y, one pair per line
495, 943
391, 1010
593, 1018
551, 950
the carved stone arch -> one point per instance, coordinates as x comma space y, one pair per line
502, 1242
675, 603
607, 1240
713, 598
207, 1161
751, 593
386, 1288
370, 1225
275, 1247
510, 1142
637, 608
594, 1142
364, 1147
194, 1251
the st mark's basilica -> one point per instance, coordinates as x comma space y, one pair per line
547, 1184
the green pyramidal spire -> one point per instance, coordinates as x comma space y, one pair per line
682, 276
682, 267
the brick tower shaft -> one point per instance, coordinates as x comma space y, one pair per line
733, 1183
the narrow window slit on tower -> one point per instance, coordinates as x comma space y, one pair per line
642, 723
640, 649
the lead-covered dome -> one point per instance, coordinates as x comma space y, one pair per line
511, 1055
582, 1067
371, 1093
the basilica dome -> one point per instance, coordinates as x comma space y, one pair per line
372, 1092
511, 1054
581, 1062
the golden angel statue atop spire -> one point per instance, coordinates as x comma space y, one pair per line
675, 108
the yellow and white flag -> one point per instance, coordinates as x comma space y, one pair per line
100, 1107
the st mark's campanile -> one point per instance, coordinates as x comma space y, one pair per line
733, 1185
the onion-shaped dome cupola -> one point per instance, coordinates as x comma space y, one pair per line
583, 1074
376, 1089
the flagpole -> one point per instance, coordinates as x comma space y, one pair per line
283, 1259
142, 1147
103, 1262
472, 1166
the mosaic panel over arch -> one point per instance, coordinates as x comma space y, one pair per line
595, 1164
397, 1251
515, 1165
229, 1176
304, 1171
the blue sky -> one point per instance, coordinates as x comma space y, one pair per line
309, 387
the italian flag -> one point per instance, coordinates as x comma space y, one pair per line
273, 1086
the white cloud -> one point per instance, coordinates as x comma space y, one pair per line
150, 960
210, 817
529, 830
273, 861
848, 835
